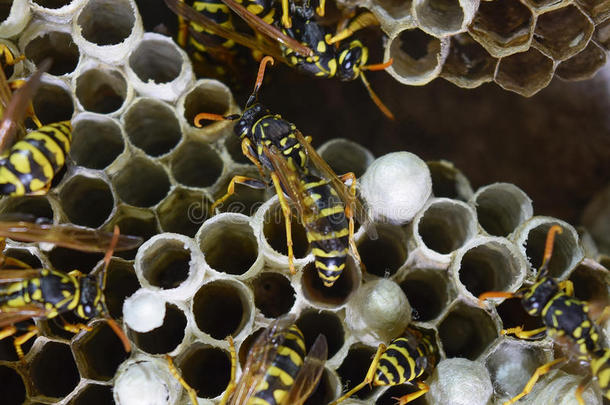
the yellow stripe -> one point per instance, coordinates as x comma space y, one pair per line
38, 157
284, 377
322, 266
6, 176
334, 253
331, 210
288, 352
51, 145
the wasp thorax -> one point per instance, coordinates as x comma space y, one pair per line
538, 295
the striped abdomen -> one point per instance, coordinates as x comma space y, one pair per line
219, 12
600, 366
280, 375
30, 165
328, 231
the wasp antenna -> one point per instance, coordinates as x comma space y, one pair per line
109, 252
494, 294
119, 332
261, 72
378, 66
376, 99
208, 116
548, 247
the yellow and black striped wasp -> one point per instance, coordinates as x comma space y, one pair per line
277, 371
405, 359
326, 206
564, 317
27, 293
27, 166
307, 46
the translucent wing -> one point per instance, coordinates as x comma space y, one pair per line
350, 200
12, 276
68, 236
11, 316
309, 374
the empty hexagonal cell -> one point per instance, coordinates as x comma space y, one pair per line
273, 294
121, 282
57, 46
598, 10
141, 182
166, 337
274, 231
209, 96
428, 293
501, 208
448, 181
246, 200
101, 90
96, 141
525, 73
583, 65
313, 323
155, 60
562, 33
106, 22
590, 285
354, 367
53, 103
38, 207
466, 331
503, 27
207, 369
137, 222
444, 17
344, 156
99, 352
53, 371
66, 260
418, 57
386, 254
93, 394
196, 164
468, 64
183, 211
13, 391
87, 201
342, 290
390, 396
152, 126
165, 263
602, 34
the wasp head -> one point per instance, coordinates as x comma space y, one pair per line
252, 113
90, 303
351, 59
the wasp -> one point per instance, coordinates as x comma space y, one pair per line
405, 359
27, 293
562, 315
277, 370
326, 206
28, 166
306, 46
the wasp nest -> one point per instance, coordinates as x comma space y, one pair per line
139, 163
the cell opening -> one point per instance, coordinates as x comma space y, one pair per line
183, 212
101, 91
396, 8
38, 207
583, 65
5, 9
468, 65
342, 290
221, 309
345, 156
53, 371
100, 352
166, 337
389, 397
156, 60
324, 391
313, 323
353, 370
207, 369
87, 201
440, 16
233, 145
66, 260
446, 181
96, 143
165, 264
121, 282
490, 23
564, 250
142, 183
152, 126
13, 391
512, 314
57, 46
229, 246
107, 22
427, 292
501, 208
273, 294
386, 254
564, 32
525, 73
274, 230
94, 394
446, 226
196, 164
466, 332
590, 286
210, 97
246, 200
52, 4
415, 53
142, 224
52, 104
244, 348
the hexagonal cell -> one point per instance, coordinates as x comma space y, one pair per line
13, 391
57, 46
196, 365
53, 371
590, 285
141, 182
99, 352
525, 73
583, 65
101, 90
208, 96
503, 27
165, 264
274, 231
602, 34
390, 395
396, 9
354, 367
562, 33
344, 156
137, 222
386, 254
196, 164
156, 61
273, 294
501, 208
166, 337
246, 200
152, 126
468, 65
444, 17
121, 282
66, 260
313, 323
106, 22
53, 103
183, 211
598, 10
87, 201
427, 292
448, 181
342, 290
38, 207
96, 141
93, 394
466, 331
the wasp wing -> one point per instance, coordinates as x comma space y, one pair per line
360, 212
68, 236
11, 316
309, 374
12, 276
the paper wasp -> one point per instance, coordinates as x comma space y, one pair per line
562, 315
277, 371
325, 205
27, 293
308, 46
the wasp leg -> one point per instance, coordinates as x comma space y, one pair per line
183, 30
361, 21
320, 10
75, 273
405, 399
11, 263
540, 371
14, 85
232, 384
246, 181
286, 212
580, 389
20, 340
190, 390
523, 334
8, 56
369, 376
567, 286
247, 149
286, 20
350, 217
